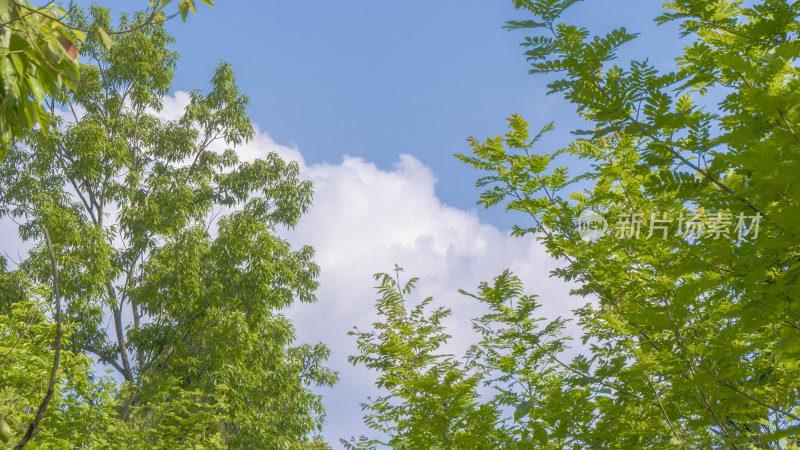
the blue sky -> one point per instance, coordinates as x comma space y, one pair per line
373, 98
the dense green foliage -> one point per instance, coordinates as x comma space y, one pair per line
38, 58
170, 269
691, 338
35, 61
431, 398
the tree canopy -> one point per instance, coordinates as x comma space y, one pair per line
166, 260
682, 234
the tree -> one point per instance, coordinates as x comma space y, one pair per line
682, 233
158, 230
431, 401
40, 58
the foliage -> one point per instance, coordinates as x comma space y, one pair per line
431, 402
82, 410
39, 58
162, 233
691, 338
545, 401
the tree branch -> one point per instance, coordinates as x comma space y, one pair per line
123, 348
51, 386
96, 351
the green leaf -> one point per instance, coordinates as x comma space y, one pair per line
36, 88
523, 409
104, 37
514, 25
183, 8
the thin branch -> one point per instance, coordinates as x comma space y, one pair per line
775, 409
664, 412
94, 350
61, 22
57, 357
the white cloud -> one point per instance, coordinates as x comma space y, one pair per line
172, 106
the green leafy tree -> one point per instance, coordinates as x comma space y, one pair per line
692, 335
546, 402
430, 401
697, 324
170, 269
39, 58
